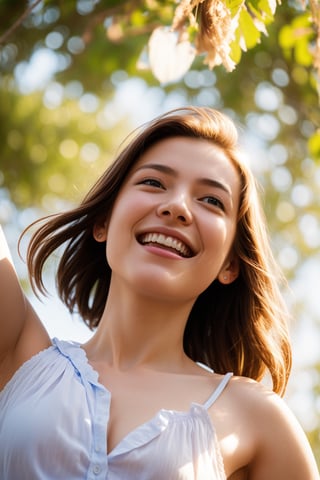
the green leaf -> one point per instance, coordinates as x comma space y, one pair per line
235, 52
302, 54
249, 34
297, 37
234, 6
138, 18
286, 37
266, 7
259, 14
314, 145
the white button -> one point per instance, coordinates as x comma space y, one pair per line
96, 469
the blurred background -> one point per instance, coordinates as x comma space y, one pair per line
77, 76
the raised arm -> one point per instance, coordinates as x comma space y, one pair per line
22, 333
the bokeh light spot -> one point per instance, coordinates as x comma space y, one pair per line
15, 140
69, 148
280, 77
38, 153
285, 212
89, 103
288, 114
54, 40
75, 45
90, 152
309, 227
281, 179
288, 257
267, 97
301, 195
57, 183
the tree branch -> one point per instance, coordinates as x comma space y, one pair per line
18, 22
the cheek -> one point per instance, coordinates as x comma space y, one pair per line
216, 234
218, 238
120, 231
129, 208
115, 239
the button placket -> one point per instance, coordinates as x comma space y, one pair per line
99, 459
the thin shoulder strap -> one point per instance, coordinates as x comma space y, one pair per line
216, 394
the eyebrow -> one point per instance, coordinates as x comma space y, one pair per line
170, 171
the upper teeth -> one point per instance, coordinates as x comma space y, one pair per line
167, 242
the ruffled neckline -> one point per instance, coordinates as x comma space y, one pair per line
78, 357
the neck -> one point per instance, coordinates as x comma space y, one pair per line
140, 331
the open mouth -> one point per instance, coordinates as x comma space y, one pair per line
166, 242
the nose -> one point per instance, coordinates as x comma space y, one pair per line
176, 209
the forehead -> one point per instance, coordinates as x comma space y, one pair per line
193, 156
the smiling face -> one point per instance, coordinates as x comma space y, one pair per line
173, 223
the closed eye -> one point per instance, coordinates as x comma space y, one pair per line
214, 201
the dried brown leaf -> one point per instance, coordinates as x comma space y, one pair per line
215, 33
184, 13
215, 29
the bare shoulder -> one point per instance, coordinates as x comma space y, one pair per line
277, 447
253, 396
245, 396
264, 406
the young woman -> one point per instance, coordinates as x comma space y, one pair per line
168, 260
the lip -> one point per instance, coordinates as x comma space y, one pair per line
170, 233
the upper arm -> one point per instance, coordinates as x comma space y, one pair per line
282, 447
22, 333
12, 300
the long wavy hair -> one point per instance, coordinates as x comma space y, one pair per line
240, 327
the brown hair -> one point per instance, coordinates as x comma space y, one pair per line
240, 327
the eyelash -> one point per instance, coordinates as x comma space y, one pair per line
152, 182
214, 201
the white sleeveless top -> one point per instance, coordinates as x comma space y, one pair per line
53, 419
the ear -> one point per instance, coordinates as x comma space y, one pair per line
230, 271
100, 231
